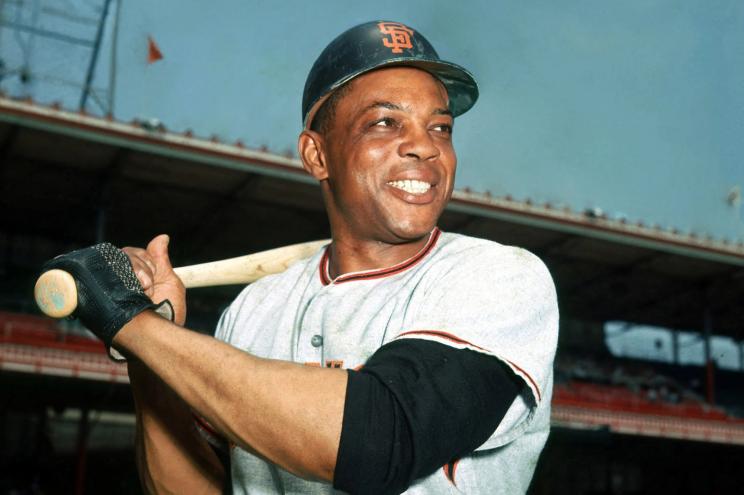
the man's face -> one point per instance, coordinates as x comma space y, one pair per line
389, 156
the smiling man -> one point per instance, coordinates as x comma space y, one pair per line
398, 359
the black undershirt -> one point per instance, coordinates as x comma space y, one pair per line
415, 406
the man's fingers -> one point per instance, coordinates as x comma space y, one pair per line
158, 250
143, 256
152, 265
143, 267
144, 279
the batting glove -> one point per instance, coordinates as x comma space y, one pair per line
109, 293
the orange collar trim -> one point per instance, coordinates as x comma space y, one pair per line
325, 277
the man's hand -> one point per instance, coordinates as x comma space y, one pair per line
108, 291
155, 272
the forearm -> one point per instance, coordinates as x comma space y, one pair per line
171, 456
287, 413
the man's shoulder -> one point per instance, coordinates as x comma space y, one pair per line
465, 253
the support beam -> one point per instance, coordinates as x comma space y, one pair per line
94, 58
101, 218
82, 451
709, 366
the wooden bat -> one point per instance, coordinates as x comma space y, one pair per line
56, 293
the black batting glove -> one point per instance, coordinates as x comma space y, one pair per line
109, 293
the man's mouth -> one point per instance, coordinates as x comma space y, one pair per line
411, 186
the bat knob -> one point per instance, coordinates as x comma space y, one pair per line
56, 293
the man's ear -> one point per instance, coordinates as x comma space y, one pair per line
310, 147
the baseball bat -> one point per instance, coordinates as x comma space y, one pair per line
56, 293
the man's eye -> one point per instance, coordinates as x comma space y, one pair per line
443, 128
386, 122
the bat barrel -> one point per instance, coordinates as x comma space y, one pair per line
56, 293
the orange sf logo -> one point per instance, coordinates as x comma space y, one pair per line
400, 36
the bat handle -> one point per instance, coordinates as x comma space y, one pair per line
56, 293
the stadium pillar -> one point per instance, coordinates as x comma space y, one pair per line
709, 369
101, 224
675, 346
82, 452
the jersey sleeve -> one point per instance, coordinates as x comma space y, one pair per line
226, 325
500, 301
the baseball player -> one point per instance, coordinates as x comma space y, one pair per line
399, 358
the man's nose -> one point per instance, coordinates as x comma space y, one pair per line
417, 143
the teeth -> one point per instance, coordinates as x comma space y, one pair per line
411, 186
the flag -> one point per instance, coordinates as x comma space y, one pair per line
153, 52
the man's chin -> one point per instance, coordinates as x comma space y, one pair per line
405, 232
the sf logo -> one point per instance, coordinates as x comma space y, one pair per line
399, 36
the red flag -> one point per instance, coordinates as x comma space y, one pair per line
153, 52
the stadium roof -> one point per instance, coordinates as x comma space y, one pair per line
69, 179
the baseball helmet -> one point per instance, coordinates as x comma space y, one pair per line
377, 44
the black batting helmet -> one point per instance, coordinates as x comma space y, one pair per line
378, 44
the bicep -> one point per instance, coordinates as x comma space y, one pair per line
415, 406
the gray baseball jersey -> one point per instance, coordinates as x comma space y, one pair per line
460, 291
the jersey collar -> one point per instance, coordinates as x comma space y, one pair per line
325, 276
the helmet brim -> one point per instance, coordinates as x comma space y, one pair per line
462, 89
